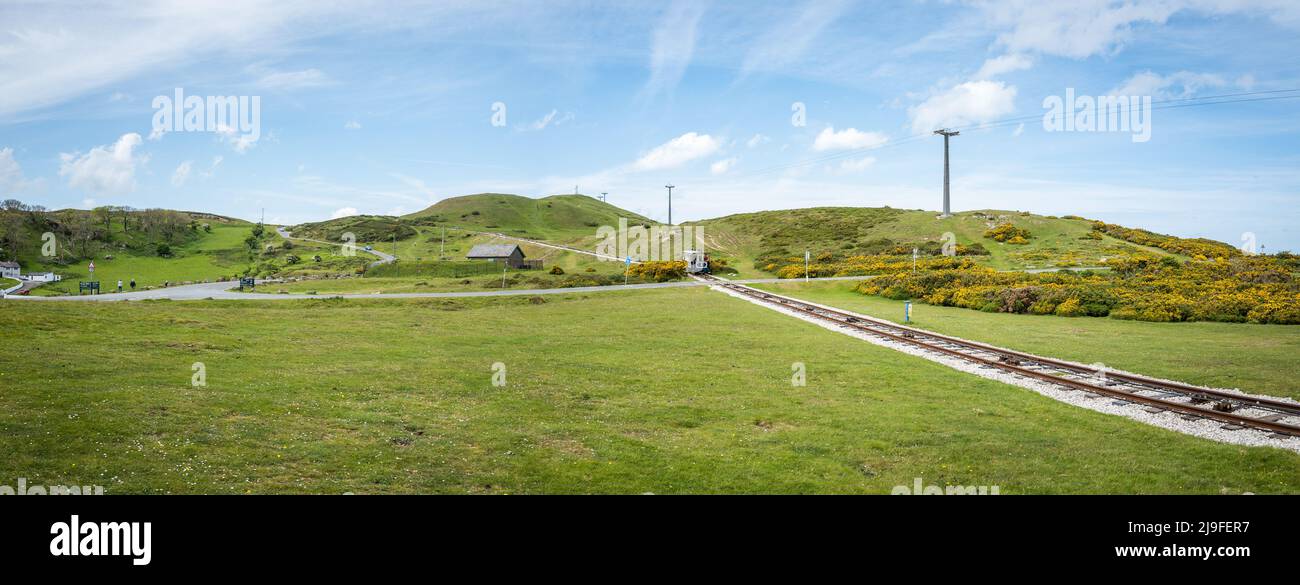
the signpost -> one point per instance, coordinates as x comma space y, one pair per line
806, 256
247, 282
915, 254
907, 311
627, 267
92, 286
92, 267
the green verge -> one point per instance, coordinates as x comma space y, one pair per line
665, 391
1255, 358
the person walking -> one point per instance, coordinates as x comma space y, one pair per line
132, 284
119, 285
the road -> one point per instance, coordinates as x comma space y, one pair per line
383, 258
221, 291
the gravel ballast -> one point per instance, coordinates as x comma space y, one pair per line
1199, 427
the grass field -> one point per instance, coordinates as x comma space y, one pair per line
666, 391
211, 256
1255, 358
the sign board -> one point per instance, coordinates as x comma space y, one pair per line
92, 266
907, 312
247, 282
92, 286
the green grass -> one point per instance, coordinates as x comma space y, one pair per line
1255, 358
210, 256
1055, 242
666, 391
556, 218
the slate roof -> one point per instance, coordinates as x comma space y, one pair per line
493, 251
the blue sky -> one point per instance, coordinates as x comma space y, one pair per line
387, 107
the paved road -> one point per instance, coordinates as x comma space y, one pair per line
221, 291
383, 258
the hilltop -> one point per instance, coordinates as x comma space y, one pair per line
988, 236
558, 217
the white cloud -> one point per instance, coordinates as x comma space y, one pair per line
1175, 85
553, 118
1084, 28
846, 139
182, 173
212, 168
673, 46
11, 173
352, 125
973, 101
857, 165
291, 80
678, 151
1020, 129
721, 167
88, 203
240, 141
757, 140
105, 169
343, 212
1002, 65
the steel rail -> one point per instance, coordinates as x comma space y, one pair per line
1009, 361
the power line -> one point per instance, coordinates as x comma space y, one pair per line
1156, 105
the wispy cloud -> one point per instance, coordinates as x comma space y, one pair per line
788, 41
673, 46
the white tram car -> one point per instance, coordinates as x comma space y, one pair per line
697, 262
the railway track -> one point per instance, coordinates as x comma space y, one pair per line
1234, 410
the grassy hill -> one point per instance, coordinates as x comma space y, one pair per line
1053, 242
555, 218
366, 228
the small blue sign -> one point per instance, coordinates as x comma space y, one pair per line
907, 311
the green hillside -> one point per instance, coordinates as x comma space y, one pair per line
366, 228
555, 218
1053, 242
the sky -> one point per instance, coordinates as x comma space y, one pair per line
387, 107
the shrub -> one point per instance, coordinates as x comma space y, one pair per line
660, 271
1282, 313
557, 270
1069, 308
1004, 232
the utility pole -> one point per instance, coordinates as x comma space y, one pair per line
442, 248
603, 196
670, 187
946, 133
